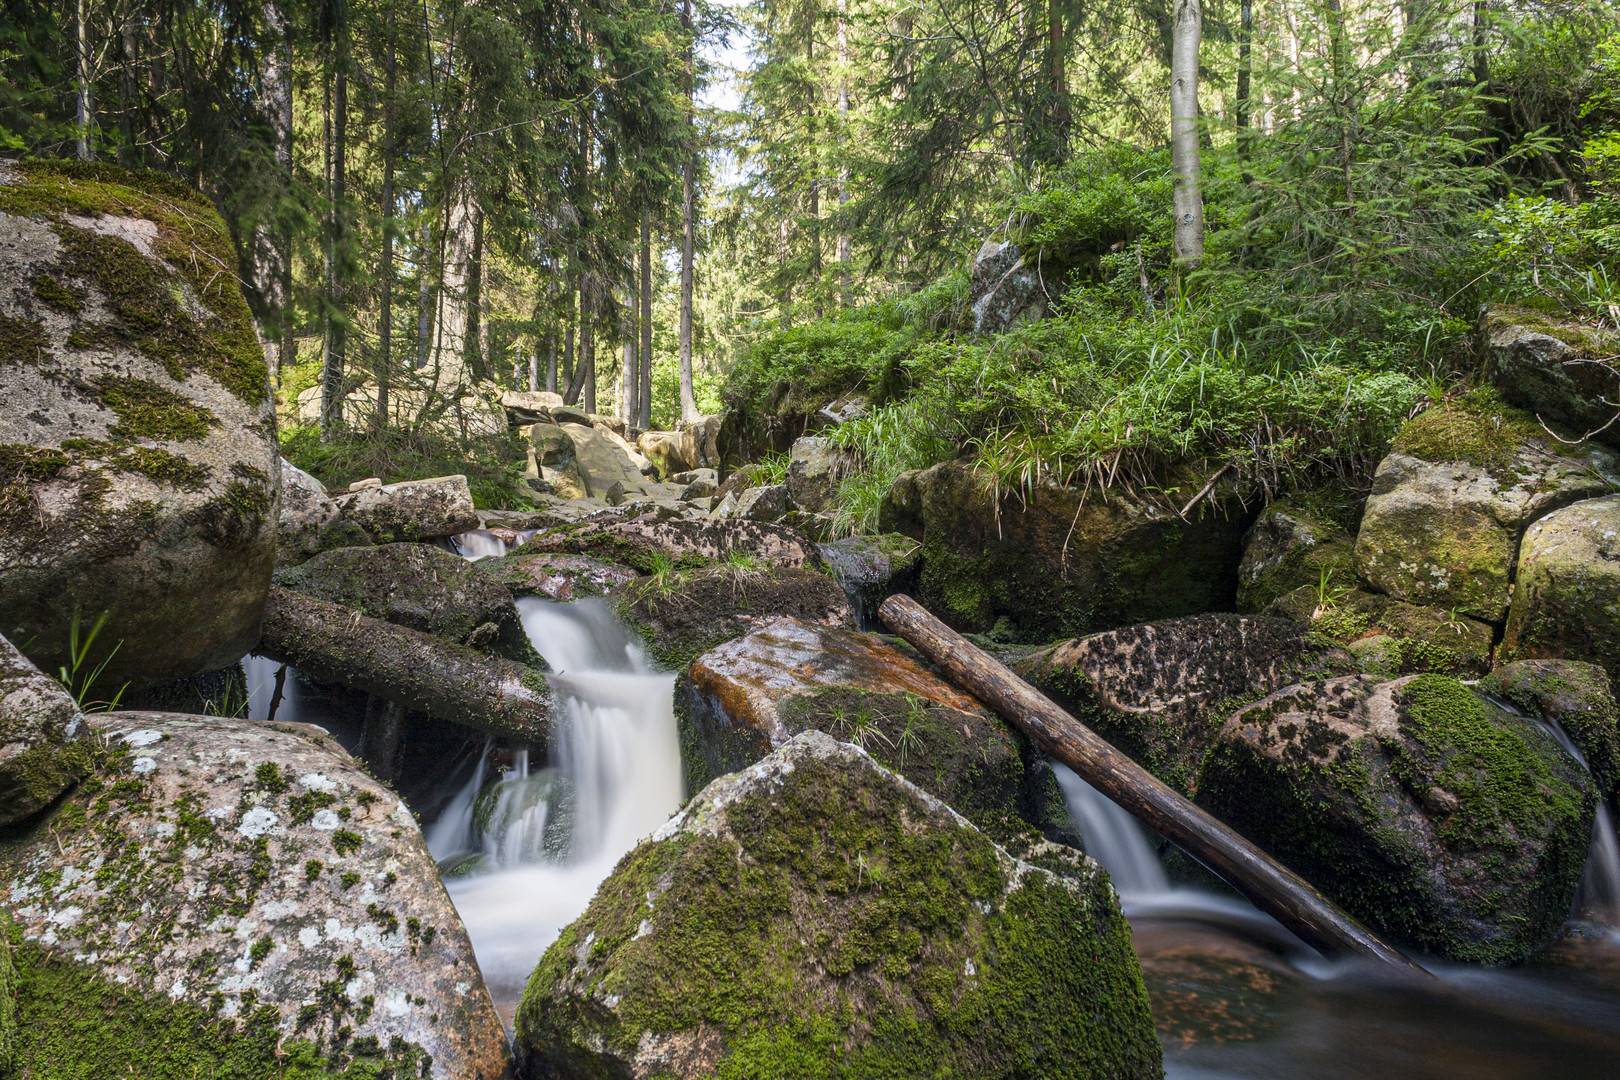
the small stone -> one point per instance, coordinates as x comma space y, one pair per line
369, 482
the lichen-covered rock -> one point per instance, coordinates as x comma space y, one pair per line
748, 697
1431, 815
138, 461
685, 613
873, 568
1060, 563
556, 577
1161, 691
1578, 697
1564, 374
649, 541
41, 752
420, 586
412, 510
816, 915
1455, 494
1290, 548
310, 520
1391, 637
1566, 603
602, 459
1003, 290
226, 898
815, 465
765, 503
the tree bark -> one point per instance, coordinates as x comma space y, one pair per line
82, 80
1272, 887
689, 409
1062, 118
627, 370
424, 300
1244, 69
415, 670
333, 359
844, 252
450, 346
270, 245
644, 365
477, 362
1187, 196
385, 314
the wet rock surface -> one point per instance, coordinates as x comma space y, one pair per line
40, 731
1161, 691
556, 577
138, 463
1578, 697
230, 897
412, 510
817, 887
1451, 826
750, 696
1566, 602
873, 568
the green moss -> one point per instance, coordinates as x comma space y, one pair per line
22, 341
345, 842
1480, 429
64, 298
162, 466
148, 411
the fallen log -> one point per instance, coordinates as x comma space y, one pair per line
415, 670
1272, 887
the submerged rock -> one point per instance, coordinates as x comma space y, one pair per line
310, 520
748, 697
1454, 496
412, 510
138, 461
1431, 815
1160, 691
1566, 603
1061, 564
648, 542
1577, 697
41, 731
685, 613
816, 915
229, 898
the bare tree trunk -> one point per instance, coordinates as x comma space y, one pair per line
568, 340
385, 317
844, 253
1187, 196
336, 337
644, 365
627, 371
1245, 37
450, 339
477, 362
689, 410
551, 361
270, 244
1057, 72
82, 105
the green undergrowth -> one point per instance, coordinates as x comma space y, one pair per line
398, 454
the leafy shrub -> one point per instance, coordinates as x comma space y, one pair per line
395, 455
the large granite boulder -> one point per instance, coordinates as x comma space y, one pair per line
1566, 602
750, 696
1578, 697
815, 466
1433, 816
1003, 289
816, 915
1390, 637
649, 542
310, 520
1292, 547
1059, 563
1562, 373
682, 614
1161, 691
42, 752
226, 898
139, 474
412, 510
1451, 501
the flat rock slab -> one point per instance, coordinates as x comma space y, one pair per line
640, 542
431, 509
243, 874
554, 576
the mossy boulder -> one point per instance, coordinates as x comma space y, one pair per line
1563, 373
1433, 816
42, 750
556, 577
420, 586
682, 614
412, 510
816, 915
138, 460
1579, 698
1292, 547
649, 541
227, 898
310, 521
1457, 491
1060, 562
1391, 637
1161, 691
873, 568
1566, 604
743, 700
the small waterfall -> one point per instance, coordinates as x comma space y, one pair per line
1113, 837
478, 544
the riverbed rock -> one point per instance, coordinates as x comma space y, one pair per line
224, 897
310, 520
873, 568
138, 462
420, 586
1160, 691
1563, 373
562, 578
1457, 491
1063, 564
1292, 547
1391, 637
1566, 604
685, 613
816, 915
1450, 825
412, 510
815, 466
648, 541
1003, 289
749, 696
1577, 697
42, 752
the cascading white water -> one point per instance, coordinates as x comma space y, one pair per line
478, 545
1113, 837
261, 683
616, 757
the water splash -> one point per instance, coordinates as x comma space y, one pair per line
478, 544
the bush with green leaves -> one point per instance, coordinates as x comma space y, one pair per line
398, 454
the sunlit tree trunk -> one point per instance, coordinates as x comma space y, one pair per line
82, 81
450, 334
385, 316
644, 365
844, 253
689, 410
1187, 197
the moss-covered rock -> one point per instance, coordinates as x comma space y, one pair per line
650, 542
682, 614
873, 568
818, 916
412, 510
1391, 637
1578, 697
138, 461
226, 898
420, 586
1292, 547
1160, 692
1563, 373
738, 703
1061, 563
1566, 604
42, 747
1451, 501
1431, 815
556, 577
310, 521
